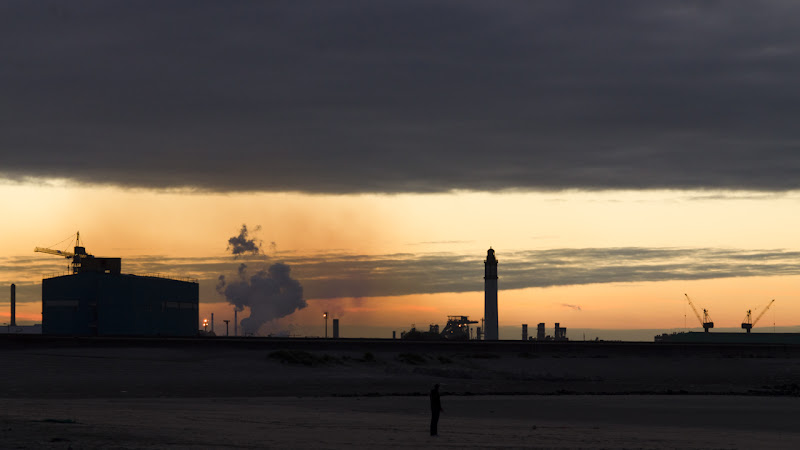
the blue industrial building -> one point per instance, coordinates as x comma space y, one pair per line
103, 304
98, 300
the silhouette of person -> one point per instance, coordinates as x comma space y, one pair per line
436, 408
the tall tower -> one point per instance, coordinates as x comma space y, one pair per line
490, 292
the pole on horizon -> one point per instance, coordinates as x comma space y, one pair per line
325, 315
13, 322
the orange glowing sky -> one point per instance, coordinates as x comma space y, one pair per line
144, 225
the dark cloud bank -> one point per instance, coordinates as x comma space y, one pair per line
402, 96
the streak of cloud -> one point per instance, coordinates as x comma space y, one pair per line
354, 276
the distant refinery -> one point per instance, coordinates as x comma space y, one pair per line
80, 304
458, 327
67, 308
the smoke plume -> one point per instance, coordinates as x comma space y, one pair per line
269, 293
575, 307
242, 244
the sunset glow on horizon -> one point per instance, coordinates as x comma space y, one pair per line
189, 232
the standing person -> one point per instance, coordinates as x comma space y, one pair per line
436, 408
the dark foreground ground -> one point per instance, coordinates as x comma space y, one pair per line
134, 393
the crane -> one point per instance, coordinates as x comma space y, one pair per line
76, 255
748, 324
705, 320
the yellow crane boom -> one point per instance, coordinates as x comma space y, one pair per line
54, 252
77, 255
763, 311
699, 319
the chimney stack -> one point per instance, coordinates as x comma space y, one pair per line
491, 328
235, 323
13, 305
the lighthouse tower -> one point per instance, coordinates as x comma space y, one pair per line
490, 292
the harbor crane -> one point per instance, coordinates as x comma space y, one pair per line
84, 262
78, 253
705, 320
748, 324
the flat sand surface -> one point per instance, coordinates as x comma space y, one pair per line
626, 421
173, 397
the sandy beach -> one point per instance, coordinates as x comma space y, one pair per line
279, 395
624, 421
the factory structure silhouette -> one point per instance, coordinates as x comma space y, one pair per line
458, 327
97, 299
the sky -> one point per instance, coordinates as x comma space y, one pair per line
616, 155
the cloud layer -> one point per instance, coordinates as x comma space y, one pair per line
367, 276
405, 96
359, 276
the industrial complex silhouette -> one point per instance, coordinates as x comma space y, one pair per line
97, 299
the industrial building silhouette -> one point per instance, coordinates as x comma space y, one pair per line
97, 299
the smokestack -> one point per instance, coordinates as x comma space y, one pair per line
491, 328
336, 328
235, 323
212, 322
13, 305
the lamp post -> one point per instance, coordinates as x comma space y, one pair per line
325, 315
205, 325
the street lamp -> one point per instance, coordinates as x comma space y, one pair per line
205, 325
325, 315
